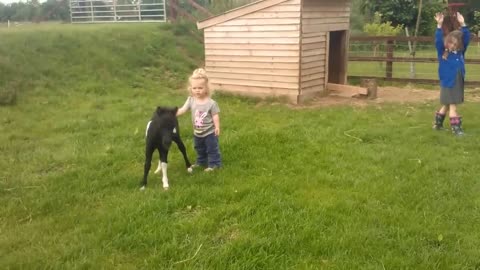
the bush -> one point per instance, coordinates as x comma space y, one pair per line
476, 22
377, 28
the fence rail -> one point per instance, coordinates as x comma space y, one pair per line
400, 38
385, 48
96, 11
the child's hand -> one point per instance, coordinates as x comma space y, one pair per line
216, 122
181, 111
439, 18
460, 19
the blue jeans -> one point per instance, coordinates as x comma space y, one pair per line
208, 151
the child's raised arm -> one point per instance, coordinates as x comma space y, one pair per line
439, 44
466, 32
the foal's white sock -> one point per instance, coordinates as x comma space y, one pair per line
165, 177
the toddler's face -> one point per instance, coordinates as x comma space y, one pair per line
199, 88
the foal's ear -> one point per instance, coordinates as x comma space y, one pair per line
175, 110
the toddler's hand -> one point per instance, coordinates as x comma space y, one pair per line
217, 132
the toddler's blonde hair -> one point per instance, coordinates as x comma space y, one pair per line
199, 73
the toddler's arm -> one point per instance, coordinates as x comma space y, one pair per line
216, 122
216, 118
185, 107
181, 111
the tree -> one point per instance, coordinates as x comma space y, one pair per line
33, 10
218, 6
357, 19
405, 12
23, 11
472, 4
55, 10
472, 14
377, 28
413, 49
476, 22
2, 11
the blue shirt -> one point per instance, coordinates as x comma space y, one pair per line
448, 68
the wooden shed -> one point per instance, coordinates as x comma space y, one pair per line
289, 48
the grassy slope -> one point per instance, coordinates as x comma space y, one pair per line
297, 191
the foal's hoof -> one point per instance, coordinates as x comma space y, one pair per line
142, 188
190, 170
165, 188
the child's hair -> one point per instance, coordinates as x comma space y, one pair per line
450, 23
454, 37
199, 73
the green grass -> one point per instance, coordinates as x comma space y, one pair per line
332, 188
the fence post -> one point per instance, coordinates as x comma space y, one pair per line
139, 6
173, 12
372, 87
91, 11
114, 10
389, 66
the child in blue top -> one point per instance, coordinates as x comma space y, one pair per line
451, 56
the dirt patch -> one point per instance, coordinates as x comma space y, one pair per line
385, 95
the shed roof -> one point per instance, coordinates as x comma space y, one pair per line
238, 12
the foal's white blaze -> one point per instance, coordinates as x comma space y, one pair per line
159, 168
165, 177
148, 126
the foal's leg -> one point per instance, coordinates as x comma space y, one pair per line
182, 148
164, 166
159, 168
149, 149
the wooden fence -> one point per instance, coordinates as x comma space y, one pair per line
388, 46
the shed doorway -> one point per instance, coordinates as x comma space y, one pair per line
337, 57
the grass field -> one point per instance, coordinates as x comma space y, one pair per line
331, 188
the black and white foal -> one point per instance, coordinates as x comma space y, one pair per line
161, 131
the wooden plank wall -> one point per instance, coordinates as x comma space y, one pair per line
257, 53
314, 59
325, 15
319, 17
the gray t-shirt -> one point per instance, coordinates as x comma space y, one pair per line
202, 116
